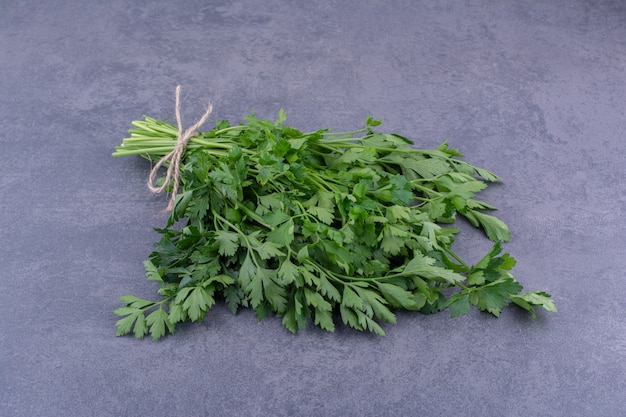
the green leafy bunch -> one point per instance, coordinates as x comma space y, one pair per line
317, 226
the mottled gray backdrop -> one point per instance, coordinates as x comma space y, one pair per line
535, 91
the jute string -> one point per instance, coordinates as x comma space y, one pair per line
173, 171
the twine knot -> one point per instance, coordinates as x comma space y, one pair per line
173, 170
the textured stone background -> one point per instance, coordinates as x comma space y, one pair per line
535, 91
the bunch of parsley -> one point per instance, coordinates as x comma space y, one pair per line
317, 226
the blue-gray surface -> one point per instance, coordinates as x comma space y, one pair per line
535, 91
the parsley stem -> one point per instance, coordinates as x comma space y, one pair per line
252, 214
351, 145
347, 134
210, 144
321, 184
229, 129
424, 189
456, 257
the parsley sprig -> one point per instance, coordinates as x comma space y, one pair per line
315, 226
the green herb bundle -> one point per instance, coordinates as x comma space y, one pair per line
317, 227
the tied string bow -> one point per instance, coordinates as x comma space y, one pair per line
173, 171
